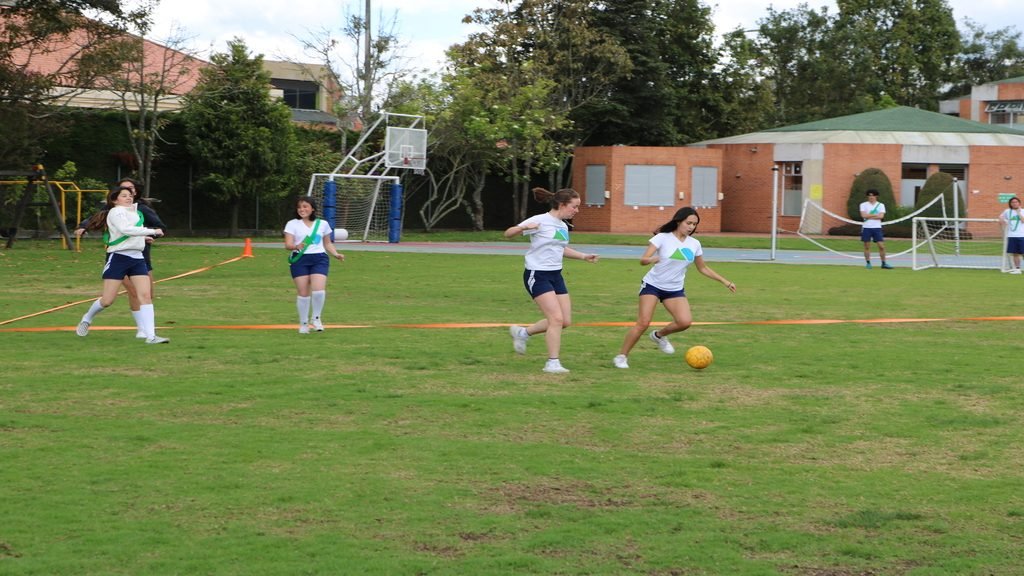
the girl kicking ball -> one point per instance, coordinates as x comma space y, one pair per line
672, 250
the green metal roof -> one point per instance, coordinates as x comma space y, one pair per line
1017, 80
899, 119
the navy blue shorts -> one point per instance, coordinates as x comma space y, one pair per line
119, 266
652, 290
538, 282
1015, 245
309, 264
145, 256
869, 234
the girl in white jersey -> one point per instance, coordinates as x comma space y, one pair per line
1011, 219
549, 243
127, 240
672, 250
309, 239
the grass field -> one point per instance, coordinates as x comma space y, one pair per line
838, 449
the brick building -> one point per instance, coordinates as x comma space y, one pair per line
730, 180
1000, 103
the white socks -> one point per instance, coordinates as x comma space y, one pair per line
302, 303
147, 320
319, 296
95, 309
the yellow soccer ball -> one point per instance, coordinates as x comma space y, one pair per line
699, 357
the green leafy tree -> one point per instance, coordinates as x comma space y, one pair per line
870, 55
34, 60
148, 87
798, 66
986, 57
514, 99
663, 100
241, 137
743, 97
900, 48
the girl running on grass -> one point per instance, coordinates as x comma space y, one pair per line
125, 243
150, 219
672, 250
549, 242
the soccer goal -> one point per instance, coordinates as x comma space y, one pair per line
367, 200
817, 222
959, 243
362, 204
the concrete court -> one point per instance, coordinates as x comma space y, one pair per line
711, 255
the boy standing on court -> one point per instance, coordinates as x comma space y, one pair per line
873, 212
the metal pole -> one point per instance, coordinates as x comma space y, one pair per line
775, 209
956, 215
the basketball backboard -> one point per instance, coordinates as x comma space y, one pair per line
405, 148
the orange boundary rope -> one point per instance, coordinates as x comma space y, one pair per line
76, 303
458, 325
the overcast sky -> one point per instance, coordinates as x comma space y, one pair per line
427, 27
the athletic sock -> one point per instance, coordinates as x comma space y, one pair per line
95, 309
319, 297
147, 316
302, 303
138, 320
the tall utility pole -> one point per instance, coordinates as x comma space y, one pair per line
367, 63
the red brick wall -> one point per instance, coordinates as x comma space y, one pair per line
844, 161
745, 180
615, 216
965, 108
994, 170
1011, 91
747, 187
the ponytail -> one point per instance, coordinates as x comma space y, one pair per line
554, 199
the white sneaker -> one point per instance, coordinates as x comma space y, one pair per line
519, 337
157, 340
620, 361
82, 329
318, 325
140, 335
662, 343
554, 367
1015, 271
303, 328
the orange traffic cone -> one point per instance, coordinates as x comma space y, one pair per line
247, 251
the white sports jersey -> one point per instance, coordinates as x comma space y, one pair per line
125, 234
876, 208
298, 229
674, 257
547, 242
1012, 218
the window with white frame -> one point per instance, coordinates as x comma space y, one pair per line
704, 186
595, 178
792, 188
650, 185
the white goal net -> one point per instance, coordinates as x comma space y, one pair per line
959, 243
362, 204
816, 223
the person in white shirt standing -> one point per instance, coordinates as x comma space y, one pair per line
309, 239
1011, 219
873, 212
549, 242
672, 250
125, 243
